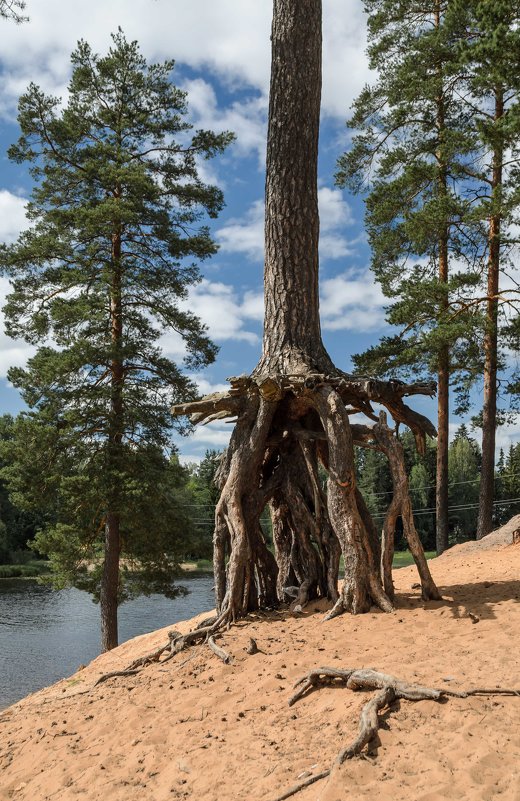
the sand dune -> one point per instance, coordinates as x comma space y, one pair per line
195, 728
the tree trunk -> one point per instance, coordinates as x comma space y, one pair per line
109, 584
294, 408
110, 574
489, 410
443, 361
292, 335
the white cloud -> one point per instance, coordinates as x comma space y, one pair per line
219, 307
247, 119
253, 306
205, 387
12, 216
245, 234
229, 39
352, 301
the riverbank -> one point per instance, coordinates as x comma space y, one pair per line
197, 728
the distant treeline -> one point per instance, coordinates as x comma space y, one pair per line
194, 496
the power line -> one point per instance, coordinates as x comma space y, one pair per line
376, 494
416, 512
454, 484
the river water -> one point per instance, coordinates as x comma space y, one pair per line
46, 634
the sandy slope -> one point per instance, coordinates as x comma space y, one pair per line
198, 729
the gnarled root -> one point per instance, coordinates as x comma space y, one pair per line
362, 585
389, 689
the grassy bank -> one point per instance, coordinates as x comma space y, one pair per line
199, 568
31, 569
405, 558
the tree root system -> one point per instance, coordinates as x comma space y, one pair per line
389, 689
289, 427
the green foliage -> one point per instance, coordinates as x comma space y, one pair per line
464, 479
508, 485
464, 476
98, 278
425, 134
17, 526
205, 495
412, 145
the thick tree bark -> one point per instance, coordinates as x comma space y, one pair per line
292, 334
489, 410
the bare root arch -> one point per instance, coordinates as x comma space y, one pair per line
287, 425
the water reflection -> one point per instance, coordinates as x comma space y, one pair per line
46, 634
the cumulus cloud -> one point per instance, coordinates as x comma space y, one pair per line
245, 234
352, 301
219, 306
246, 118
12, 216
230, 40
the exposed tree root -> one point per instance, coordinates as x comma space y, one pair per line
389, 689
114, 674
177, 642
226, 658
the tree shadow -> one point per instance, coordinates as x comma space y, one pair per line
478, 598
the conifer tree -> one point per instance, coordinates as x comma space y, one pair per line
411, 144
102, 272
464, 472
490, 53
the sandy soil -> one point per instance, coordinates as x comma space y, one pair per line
198, 729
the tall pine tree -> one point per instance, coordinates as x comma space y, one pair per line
489, 51
102, 272
411, 144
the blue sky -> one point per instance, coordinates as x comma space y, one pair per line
222, 51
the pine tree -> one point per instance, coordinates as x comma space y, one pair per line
103, 271
490, 52
409, 151
293, 410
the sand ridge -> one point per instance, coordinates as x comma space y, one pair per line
196, 728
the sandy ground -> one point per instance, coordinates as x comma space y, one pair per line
196, 728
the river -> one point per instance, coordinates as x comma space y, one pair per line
46, 634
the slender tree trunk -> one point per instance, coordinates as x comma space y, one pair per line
443, 362
110, 575
109, 584
489, 410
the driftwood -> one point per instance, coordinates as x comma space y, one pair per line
389, 689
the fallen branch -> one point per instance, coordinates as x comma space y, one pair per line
389, 689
